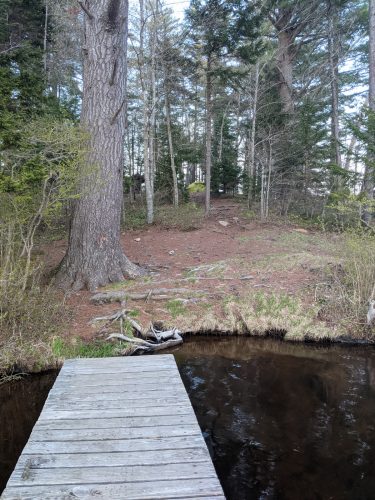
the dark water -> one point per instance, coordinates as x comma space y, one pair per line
20, 405
282, 421
285, 421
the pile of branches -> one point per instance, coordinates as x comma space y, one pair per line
150, 340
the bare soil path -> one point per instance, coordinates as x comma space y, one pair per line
233, 268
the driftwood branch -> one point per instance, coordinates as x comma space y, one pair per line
85, 10
147, 341
163, 340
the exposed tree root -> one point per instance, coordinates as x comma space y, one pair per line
149, 341
76, 271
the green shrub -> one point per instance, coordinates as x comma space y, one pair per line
36, 181
196, 187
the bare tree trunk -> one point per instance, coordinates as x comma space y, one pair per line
147, 167
170, 144
251, 166
94, 255
349, 154
208, 135
195, 134
167, 77
152, 148
46, 14
368, 181
220, 149
334, 70
131, 155
262, 191
270, 161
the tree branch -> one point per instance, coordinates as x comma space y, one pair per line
9, 49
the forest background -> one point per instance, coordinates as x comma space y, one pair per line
269, 102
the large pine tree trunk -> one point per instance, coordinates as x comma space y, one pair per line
284, 62
94, 255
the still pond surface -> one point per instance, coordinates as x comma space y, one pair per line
282, 421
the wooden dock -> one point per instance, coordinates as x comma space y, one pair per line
116, 428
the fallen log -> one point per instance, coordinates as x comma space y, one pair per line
155, 294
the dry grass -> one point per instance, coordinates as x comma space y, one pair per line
258, 314
349, 285
30, 313
28, 322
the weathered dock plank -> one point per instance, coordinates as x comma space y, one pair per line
116, 428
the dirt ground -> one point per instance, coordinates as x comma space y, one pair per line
236, 273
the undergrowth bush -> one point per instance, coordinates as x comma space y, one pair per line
351, 283
35, 183
346, 213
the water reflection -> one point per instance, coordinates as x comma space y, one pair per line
282, 421
285, 421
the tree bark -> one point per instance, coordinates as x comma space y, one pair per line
94, 255
284, 61
208, 135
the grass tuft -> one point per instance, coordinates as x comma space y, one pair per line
175, 308
77, 348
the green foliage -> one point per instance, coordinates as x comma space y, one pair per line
36, 183
223, 28
43, 173
196, 187
225, 169
345, 210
